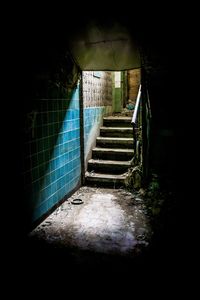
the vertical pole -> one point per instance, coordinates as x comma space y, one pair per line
81, 106
144, 127
134, 145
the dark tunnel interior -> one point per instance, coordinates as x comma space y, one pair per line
40, 48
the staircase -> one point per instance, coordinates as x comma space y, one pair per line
112, 155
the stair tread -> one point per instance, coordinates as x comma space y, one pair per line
107, 176
114, 138
101, 149
114, 162
116, 128
117, 118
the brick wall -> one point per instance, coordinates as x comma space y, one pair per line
134, 77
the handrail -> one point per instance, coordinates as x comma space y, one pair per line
135, 113
141, 123
133, 123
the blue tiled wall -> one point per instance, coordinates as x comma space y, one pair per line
52, 165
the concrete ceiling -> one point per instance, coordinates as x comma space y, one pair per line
120, 41
100, 47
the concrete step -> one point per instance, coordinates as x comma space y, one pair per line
116, 132
108, 166
114, 142
117, 121
112, 154
99, 179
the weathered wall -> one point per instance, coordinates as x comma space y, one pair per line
134, 77
51, 157
97, 101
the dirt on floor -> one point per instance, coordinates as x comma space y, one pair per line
127, 238
108, 223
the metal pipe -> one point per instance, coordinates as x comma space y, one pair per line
135, 113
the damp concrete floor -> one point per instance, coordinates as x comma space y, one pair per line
110, 225
108, 241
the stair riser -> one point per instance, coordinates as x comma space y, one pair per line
105, 182
112, 156
114, 169
115, 144
115, 123
120, 134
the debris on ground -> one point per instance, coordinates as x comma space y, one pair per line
109, 221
